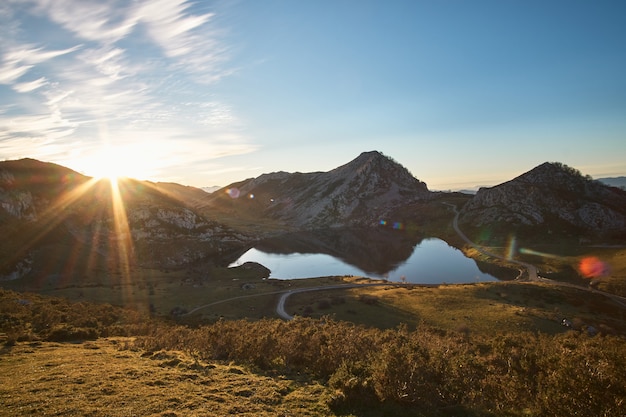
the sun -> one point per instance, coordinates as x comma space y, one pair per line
116, 163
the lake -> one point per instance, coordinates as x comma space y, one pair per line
428, 261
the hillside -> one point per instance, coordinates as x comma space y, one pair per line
56, 221
551, 199
59, 357
361, 192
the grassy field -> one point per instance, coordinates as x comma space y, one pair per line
104, 378
244, 293
486, 308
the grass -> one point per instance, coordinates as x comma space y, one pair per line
481, 307
485, 308
103, 377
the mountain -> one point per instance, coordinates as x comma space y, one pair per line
361, 192
551, 197
54, 220
211, 189
619, 182
190, 196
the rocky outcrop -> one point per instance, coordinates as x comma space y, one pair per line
551, 194
20, 270
361, 192
16, 203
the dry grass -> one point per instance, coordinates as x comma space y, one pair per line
98, 378
486, 308
312, 367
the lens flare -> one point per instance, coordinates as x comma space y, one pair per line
593, 267
512, 248
233, 192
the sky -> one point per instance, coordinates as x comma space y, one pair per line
462, 93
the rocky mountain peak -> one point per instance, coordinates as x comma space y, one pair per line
359, 192
373, 169
552, 195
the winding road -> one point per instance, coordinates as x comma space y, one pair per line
532, 269
280, 305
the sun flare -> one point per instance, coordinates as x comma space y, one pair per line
115, 163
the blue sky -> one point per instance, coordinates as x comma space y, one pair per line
462, 93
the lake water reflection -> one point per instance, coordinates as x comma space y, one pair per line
428, 261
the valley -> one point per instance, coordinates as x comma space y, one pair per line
134, 275
163, 247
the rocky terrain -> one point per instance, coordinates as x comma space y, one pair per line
552, 196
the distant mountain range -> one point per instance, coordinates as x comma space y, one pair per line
211, 189
51, 216
619, 182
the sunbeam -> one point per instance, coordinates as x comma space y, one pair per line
52, 217
122, 238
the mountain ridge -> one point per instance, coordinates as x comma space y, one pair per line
48, 207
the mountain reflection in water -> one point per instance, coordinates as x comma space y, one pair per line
376, 253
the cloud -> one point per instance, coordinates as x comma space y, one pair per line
170, 25
31, 54
136, 75
18, 60
10, 71
108, 61
27, 87
103, 21
51, 125
187, 39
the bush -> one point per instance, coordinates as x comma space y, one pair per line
68, 333
426, 369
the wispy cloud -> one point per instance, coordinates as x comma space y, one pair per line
115, 73
18, 60
170, 25
102, 21
10, 71
28, 86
